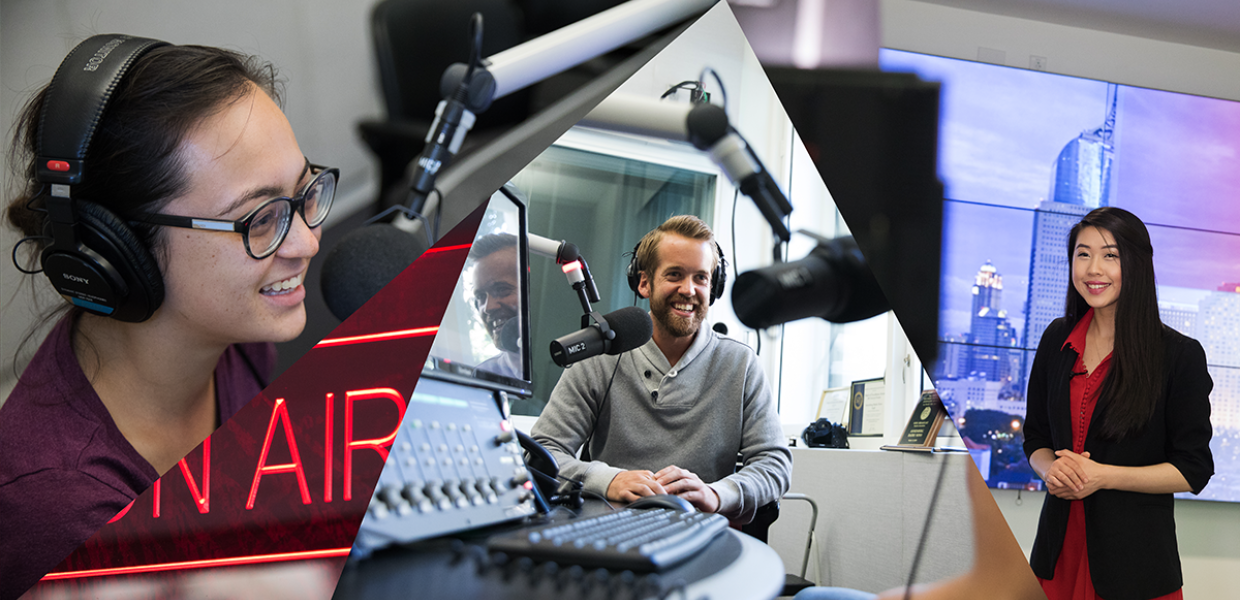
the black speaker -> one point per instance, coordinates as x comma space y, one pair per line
95, 261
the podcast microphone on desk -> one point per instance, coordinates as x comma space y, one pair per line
629, 328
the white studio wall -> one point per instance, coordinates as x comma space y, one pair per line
969, 35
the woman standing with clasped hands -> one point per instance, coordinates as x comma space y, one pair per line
1118, 420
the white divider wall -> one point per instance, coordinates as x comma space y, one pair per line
872, 508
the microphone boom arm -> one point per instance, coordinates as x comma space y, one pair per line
706, 126
469, 90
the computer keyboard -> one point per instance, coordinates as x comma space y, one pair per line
638, 540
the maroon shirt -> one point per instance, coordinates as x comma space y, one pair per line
65, 468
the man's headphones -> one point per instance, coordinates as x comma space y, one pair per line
95, 260
718, 277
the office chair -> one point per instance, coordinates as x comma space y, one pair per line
760, 529
414, 41
760, 526
796, 583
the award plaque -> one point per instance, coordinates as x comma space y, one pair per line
923, 426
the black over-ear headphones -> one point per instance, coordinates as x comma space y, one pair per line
95, 261
718, 277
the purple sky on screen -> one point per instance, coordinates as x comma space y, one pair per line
1002, 128
969, 243
1001, 131
1174, 150
1194, 259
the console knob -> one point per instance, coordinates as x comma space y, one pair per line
520, 476
378, 510
390, 495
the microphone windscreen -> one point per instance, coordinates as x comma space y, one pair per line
632, 326
833, 282
510, 336
365, 261
568, 254
720, 328
706, 124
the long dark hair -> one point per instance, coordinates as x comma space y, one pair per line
1135, 379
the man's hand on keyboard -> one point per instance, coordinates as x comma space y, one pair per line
689, 486
631, 485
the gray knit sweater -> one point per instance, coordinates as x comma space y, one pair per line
697, 416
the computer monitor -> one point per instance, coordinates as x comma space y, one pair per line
484, 338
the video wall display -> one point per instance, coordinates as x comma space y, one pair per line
1023, 156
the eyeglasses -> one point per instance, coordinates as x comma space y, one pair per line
265, 228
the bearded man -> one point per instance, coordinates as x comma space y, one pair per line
497, 299
671, 416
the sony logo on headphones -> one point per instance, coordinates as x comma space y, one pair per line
81, 280
93, 63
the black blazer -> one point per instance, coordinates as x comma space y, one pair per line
1130, 536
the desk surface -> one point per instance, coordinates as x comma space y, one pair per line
734, 565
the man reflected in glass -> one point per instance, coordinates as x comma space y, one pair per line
497, 300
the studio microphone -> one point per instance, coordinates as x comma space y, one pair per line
509, 337
833, 282
568, 256
365, 261
563, 252
709, 130
467, 90
630, 328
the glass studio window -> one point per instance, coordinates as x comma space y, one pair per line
603, 203
603, 191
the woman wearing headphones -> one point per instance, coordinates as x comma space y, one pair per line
1118, 420
180, 233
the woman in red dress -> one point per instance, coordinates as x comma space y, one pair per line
1118, 420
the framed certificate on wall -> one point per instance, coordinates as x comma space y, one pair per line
868, 401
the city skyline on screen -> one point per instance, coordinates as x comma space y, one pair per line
1024, 155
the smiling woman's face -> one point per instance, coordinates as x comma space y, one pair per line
1096, 272
238, 158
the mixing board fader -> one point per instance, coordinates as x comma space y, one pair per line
455, 465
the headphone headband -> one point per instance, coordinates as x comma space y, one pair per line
718, 277
95, 261
77, 96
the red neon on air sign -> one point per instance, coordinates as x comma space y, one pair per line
291, 475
